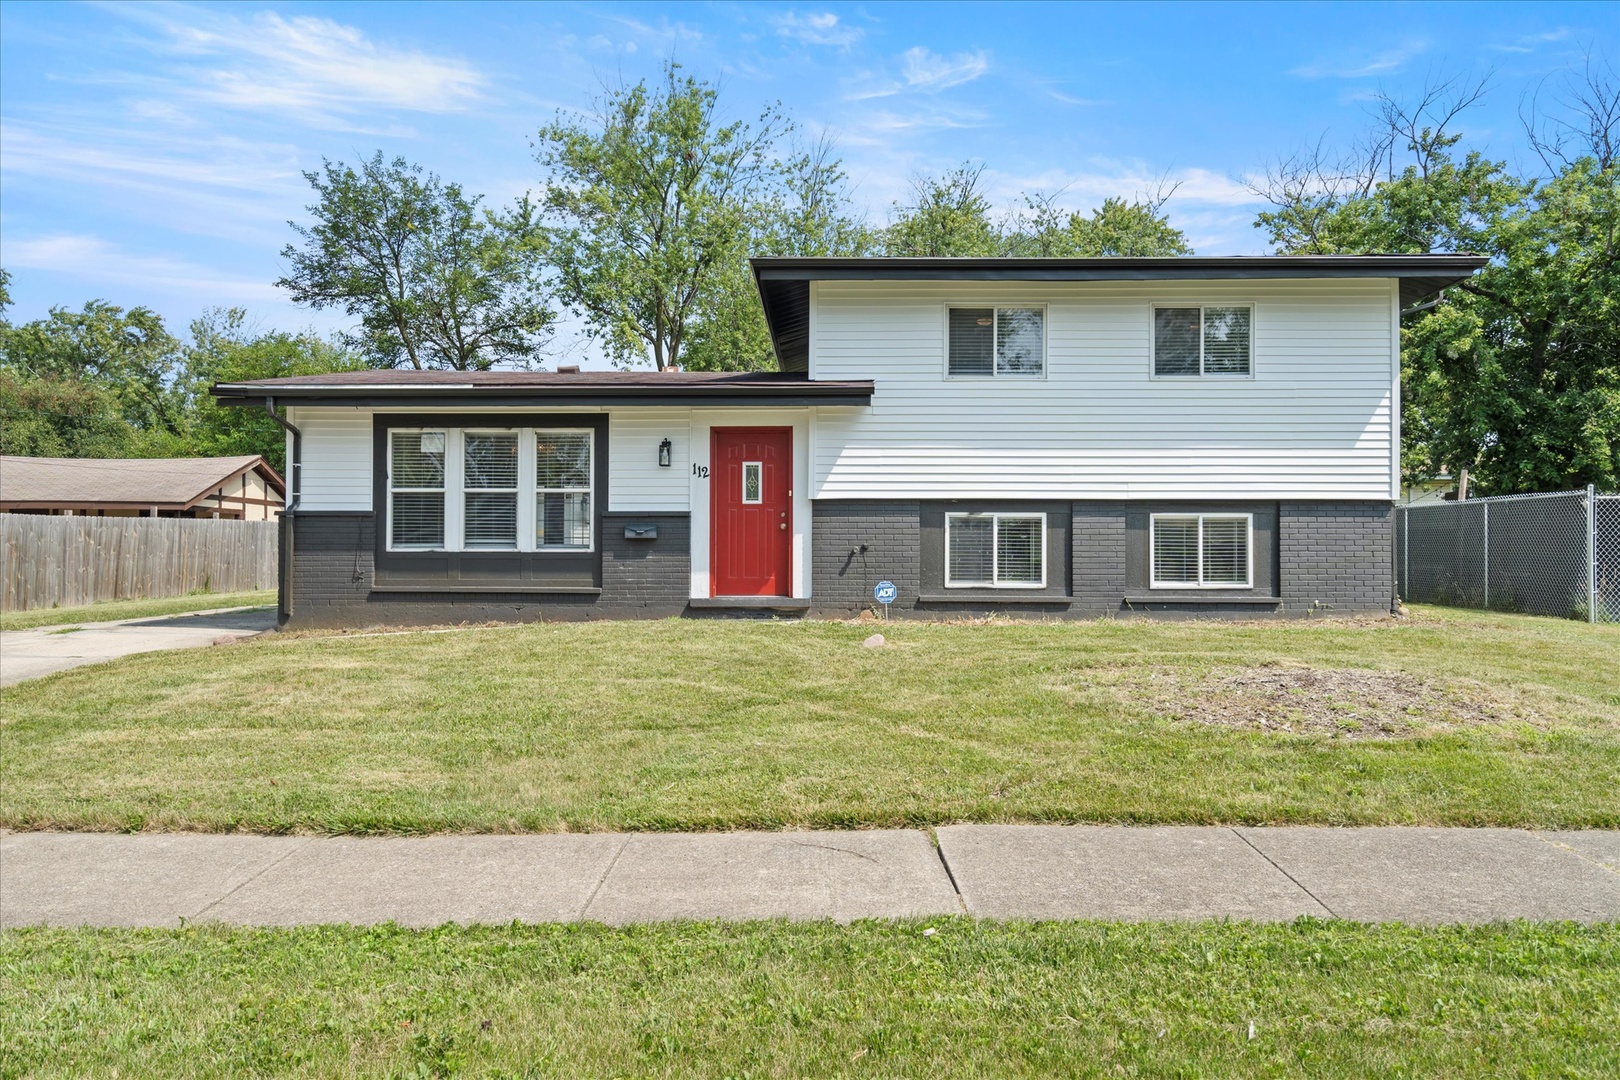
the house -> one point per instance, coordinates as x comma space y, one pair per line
244, 488
1058, 437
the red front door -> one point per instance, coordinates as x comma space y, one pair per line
751, 512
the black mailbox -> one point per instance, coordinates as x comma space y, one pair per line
641, 532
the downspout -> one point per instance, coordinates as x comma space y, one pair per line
295, 486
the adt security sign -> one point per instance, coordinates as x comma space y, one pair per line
885, 592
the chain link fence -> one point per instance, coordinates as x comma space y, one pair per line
1548, 554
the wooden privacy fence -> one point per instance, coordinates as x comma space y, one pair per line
66, 561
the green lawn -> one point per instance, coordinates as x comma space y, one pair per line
717, 724
132, 609
773, 999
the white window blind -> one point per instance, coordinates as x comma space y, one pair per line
416, 468
490, 472
1201, 551
563, 490
995, 551
465, 490
1192, 341
1006, 341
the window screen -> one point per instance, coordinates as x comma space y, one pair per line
996, 341
1201, 550
563, 489
995, 550
1202, 341
490, 471
973, 341
416, 489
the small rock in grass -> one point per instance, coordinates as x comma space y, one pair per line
874, 642
225, 639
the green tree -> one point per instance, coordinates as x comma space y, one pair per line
54, 417
223, 348
1515, 373
127, 354
1136, 229
435, 281
652, 205
948, 215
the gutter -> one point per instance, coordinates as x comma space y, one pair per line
295, 489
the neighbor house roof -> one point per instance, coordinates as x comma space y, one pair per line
784, 281
540, 388
165, 483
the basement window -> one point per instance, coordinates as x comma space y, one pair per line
1001, 341
1192, 342
995, 551
1202, 551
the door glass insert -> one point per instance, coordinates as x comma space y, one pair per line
751, 482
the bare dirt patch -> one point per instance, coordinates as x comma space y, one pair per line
1345, 703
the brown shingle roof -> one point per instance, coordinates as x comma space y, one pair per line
163, 482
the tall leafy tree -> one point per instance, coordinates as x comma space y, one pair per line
1135, 229
127, 354
652, 202
435, 280
948, 215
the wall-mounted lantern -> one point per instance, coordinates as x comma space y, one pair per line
664, 449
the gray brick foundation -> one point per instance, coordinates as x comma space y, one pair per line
1336, 557
334, 569
842, 574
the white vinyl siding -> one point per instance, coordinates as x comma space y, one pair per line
1202, 551
1314, 421
337, 458
995, 551
636, 482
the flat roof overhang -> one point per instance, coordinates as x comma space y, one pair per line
784, 281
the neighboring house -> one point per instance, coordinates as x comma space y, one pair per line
245, 488
1054, 437
1441, 488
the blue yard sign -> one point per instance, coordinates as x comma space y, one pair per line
885, 592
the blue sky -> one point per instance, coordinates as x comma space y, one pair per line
151, 154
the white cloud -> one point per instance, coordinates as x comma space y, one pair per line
817, 28
95, 260
1070, 99
1363, 66
1083, 190
926, 70
1530, 42
311, 66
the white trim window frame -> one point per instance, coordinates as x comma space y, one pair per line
1201, 546
995, 371
995, 580
453, 490
588, 489
443, 489
1203, 371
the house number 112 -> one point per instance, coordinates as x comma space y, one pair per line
699, 470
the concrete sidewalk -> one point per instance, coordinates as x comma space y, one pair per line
1002, 871
29, 654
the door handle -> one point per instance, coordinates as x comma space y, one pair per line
784, 524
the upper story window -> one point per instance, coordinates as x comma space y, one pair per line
1004, 341
1210, 341
524, 489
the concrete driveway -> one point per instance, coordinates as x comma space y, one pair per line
29, 654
